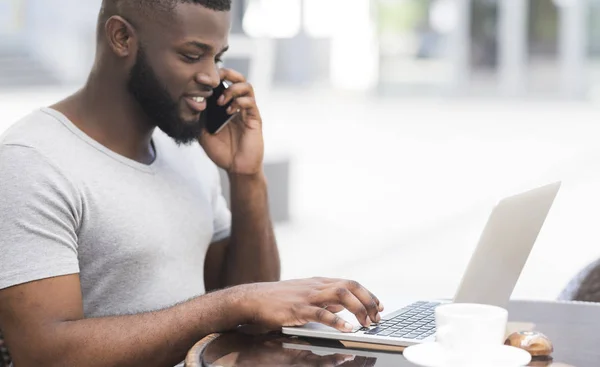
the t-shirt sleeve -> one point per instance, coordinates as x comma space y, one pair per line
221, 212
39, 211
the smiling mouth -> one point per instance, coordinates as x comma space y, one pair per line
197, 104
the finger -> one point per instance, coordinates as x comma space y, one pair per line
249, 110
231, 75
377, 301
322, 316
339, 294
234, 91
241, 117
354, 284
334, 308
369, 301
381, 307
243, 103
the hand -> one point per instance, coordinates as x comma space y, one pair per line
298, 302
239, 147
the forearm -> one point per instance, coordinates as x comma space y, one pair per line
160, 338
252, 254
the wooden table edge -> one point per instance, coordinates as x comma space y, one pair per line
192, 358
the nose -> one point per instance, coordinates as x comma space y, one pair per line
209, 77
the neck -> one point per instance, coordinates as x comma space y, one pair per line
107, 112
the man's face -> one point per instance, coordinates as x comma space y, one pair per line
176, 68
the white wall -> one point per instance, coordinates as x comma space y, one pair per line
62, 34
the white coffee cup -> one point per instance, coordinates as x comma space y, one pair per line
469, 327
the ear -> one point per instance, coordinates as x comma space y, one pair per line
121, 36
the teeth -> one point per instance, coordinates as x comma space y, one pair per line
198, 99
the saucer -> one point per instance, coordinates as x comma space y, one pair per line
434, 355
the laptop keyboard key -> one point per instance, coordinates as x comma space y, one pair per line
413, 321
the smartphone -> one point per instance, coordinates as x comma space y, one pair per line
216, 117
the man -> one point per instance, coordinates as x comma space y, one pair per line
117, 245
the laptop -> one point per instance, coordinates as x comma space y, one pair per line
490, 277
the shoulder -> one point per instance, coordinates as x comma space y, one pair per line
46, 132
28, 156
35, 129
28, 172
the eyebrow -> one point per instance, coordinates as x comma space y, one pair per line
205, 47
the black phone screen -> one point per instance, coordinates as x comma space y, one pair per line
215, 116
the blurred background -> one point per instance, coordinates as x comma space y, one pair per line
392, 126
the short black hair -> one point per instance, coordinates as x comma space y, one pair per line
155, 7
218, 5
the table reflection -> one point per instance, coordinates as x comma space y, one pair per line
238, 349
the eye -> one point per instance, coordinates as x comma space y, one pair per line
219, 62
190, 58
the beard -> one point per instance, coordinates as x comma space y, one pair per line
156, 102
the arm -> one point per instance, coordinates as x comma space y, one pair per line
250, 254
44, 326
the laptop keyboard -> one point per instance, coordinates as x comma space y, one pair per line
415, 321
